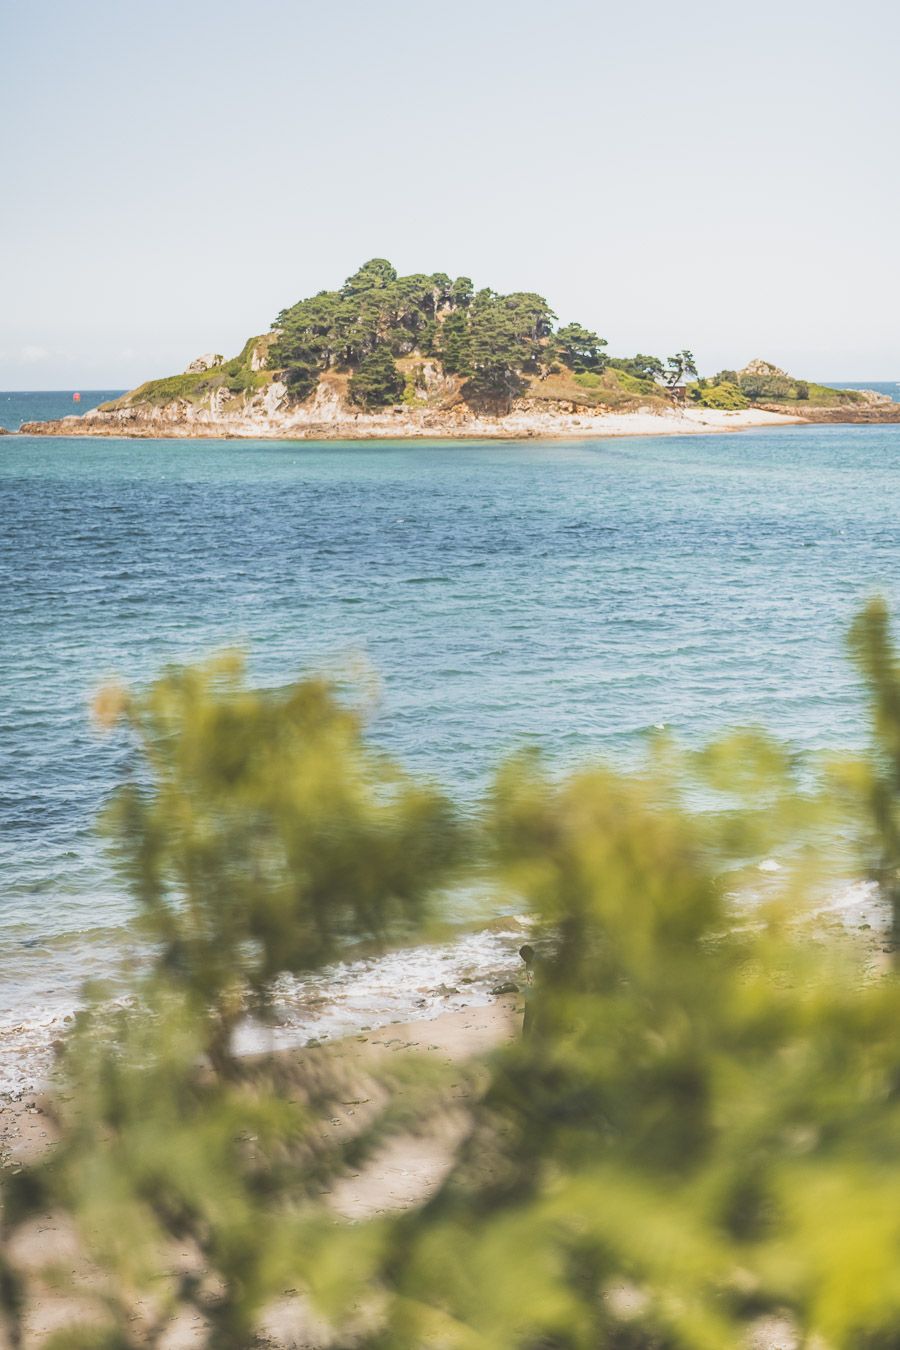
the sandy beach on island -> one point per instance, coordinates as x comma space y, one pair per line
317, 423
404, 1173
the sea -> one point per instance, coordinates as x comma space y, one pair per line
571, 595
889, 387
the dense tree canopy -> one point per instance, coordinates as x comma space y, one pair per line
507, 336
390, 339
579, 349
492, 341
376, 382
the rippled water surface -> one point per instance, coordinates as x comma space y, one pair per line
574, 593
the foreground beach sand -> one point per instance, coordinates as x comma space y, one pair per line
403, 1174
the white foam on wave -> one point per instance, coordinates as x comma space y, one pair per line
26, 1048
856, 904
410, 984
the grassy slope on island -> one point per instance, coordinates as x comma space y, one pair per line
763, 384
236, 376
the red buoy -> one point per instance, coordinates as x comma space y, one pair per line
76, 398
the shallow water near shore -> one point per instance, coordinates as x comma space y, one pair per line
573, 594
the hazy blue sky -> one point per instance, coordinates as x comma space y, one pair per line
721, 176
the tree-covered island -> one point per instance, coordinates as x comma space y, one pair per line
429, 354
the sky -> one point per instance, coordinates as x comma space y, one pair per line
721, 177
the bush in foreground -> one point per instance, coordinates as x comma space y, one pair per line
700, 1129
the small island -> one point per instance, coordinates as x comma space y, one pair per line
427, 356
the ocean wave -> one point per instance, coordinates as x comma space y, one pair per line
410, 984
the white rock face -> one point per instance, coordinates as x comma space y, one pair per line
437, 385
208, 361
759, 367
274, 398
217, 400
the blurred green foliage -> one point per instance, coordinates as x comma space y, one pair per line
263, 832
698, 1131
876, 779
258, 836
647, 1168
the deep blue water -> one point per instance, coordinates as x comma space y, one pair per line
576, 594
16, 408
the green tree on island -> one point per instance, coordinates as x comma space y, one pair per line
376, 382
639, 367
679, 367
579, 349
507, 336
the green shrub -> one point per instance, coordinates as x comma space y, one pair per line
724, 395
587, 379
773, 388
631, 383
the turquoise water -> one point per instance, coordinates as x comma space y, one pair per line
575, 594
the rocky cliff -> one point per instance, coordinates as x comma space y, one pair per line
269, 414
242, 398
